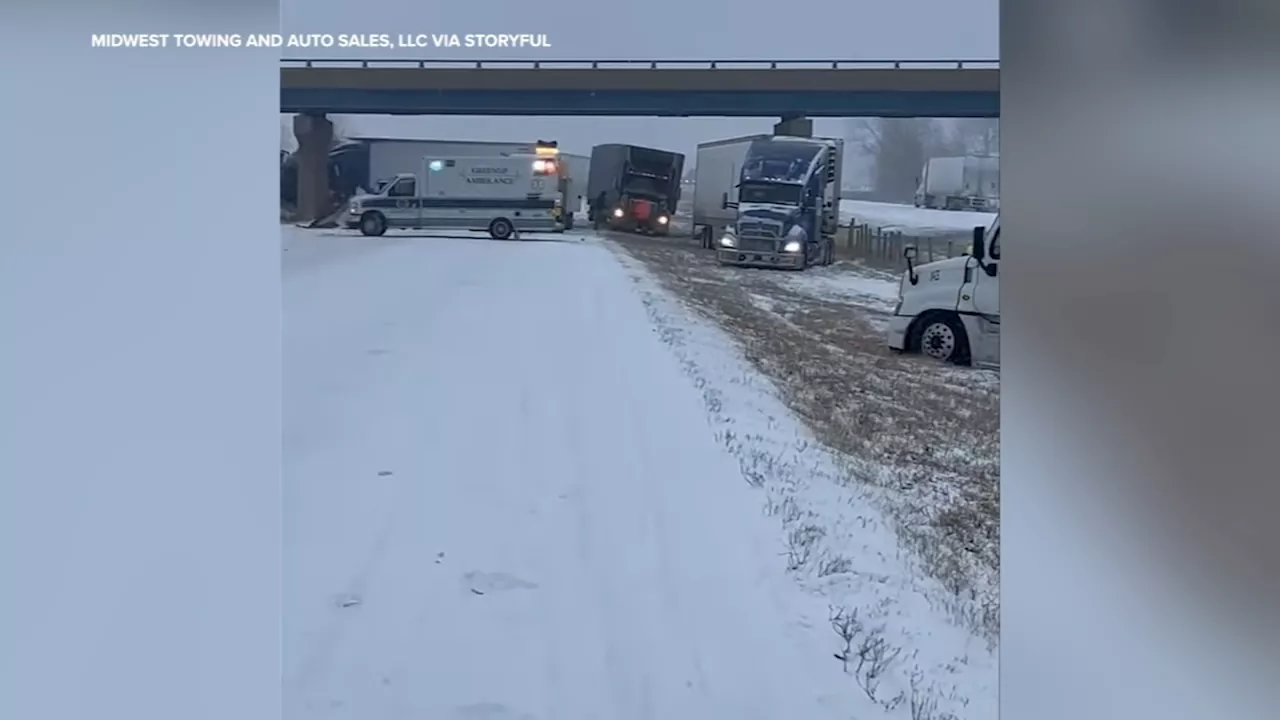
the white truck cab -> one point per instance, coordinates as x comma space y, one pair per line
950, 309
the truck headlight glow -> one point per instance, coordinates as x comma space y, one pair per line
792, 246
728, 241
662, 219
617, 212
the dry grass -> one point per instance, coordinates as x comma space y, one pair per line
926, 433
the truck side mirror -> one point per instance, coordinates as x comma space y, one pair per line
979, 234
724, 201
909, 252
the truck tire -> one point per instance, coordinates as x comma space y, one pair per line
941, 336
373, 224
501, 229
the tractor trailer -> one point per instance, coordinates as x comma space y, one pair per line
634, 188
769, 201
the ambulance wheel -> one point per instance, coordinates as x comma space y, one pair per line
373, 224
501, 229
941, 336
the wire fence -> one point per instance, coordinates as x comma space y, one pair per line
883, 248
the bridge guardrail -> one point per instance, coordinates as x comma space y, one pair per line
645, 64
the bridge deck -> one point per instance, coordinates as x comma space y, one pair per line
676, 80
815, 88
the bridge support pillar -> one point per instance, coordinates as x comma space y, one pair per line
315, 138
795, 126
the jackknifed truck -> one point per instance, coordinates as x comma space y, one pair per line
634, 188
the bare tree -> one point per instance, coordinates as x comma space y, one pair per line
899, 148
980, 136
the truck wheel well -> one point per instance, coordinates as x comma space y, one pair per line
916, 330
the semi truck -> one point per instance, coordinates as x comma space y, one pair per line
769, 201
501, 195
960, 183
949, 310
634, 188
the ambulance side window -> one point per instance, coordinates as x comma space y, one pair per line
404, 187
994, 250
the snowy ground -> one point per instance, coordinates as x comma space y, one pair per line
523, 481
887, 216
911, 220
926, 433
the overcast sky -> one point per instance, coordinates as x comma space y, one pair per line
649, 30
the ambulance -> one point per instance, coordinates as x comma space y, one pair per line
502, 195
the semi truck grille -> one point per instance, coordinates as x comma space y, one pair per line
756, 244
760, 230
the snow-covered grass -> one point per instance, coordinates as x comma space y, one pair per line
924, 433
843, 282
911, 220
919, 646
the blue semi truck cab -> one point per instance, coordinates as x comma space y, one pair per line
782, 207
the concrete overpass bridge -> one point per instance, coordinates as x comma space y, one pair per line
792, 90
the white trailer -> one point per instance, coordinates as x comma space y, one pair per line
950, 309
575, 169
960, 183
500, 195
717, 173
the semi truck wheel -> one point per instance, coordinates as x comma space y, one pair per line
942, 337
373, 224
501, 229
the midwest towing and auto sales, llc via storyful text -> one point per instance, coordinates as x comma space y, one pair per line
320, 40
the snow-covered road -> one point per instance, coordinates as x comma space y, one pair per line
503, 500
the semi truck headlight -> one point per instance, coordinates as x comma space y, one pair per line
792, 246
728, 241
617, 212
662, 219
